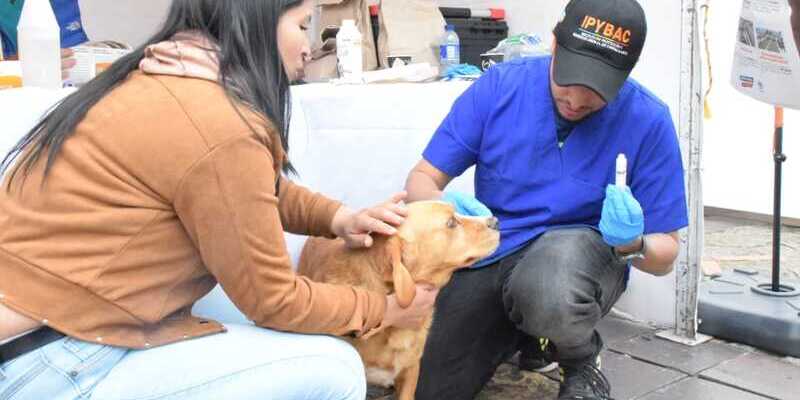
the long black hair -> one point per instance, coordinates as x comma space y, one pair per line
250, 66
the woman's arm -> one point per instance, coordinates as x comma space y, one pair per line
233, 220
304, 212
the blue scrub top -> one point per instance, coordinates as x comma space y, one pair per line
67, 13
505, 125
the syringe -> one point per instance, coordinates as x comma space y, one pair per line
622, 170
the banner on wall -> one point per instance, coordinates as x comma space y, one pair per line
766, 63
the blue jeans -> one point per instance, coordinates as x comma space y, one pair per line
247, 362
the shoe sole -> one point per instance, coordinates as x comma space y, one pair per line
547, 368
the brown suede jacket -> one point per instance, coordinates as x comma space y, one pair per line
163, 191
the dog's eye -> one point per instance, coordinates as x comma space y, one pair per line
452, 222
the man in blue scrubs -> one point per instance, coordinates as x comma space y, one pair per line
544, 134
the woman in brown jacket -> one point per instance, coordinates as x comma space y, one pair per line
154, 182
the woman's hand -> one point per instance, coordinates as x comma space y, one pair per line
356, 227
414, 315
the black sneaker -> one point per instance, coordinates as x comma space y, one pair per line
584, 382
538, 355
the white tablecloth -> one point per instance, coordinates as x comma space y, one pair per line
358, 143
20, 110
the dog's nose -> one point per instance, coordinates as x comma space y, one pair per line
493, 223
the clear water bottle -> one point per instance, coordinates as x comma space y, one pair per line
39, 45
450, 49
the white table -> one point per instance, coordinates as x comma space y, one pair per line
21, 109
358, 143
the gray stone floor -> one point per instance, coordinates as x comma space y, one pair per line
640, 365
732, 240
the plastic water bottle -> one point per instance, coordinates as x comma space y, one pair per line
349, 52
450, 49
39, 45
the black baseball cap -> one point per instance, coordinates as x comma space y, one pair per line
598, 44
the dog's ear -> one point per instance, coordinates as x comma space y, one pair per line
404, 287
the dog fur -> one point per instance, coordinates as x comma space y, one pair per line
429, 246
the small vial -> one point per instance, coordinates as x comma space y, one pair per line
622, 170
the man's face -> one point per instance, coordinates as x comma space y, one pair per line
575, 103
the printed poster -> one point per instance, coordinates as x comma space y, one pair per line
766, 63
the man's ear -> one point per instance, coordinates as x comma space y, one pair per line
404, 287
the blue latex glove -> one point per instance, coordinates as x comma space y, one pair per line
462, 71
466, 204
622, 220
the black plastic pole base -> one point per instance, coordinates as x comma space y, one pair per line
741, 306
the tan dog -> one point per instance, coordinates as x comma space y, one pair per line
431, 244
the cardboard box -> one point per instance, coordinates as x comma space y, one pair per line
412, 28
331, 15
92, 61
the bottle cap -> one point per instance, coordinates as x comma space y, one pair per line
497, 14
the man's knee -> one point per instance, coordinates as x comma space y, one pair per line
547, 294
548, 312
